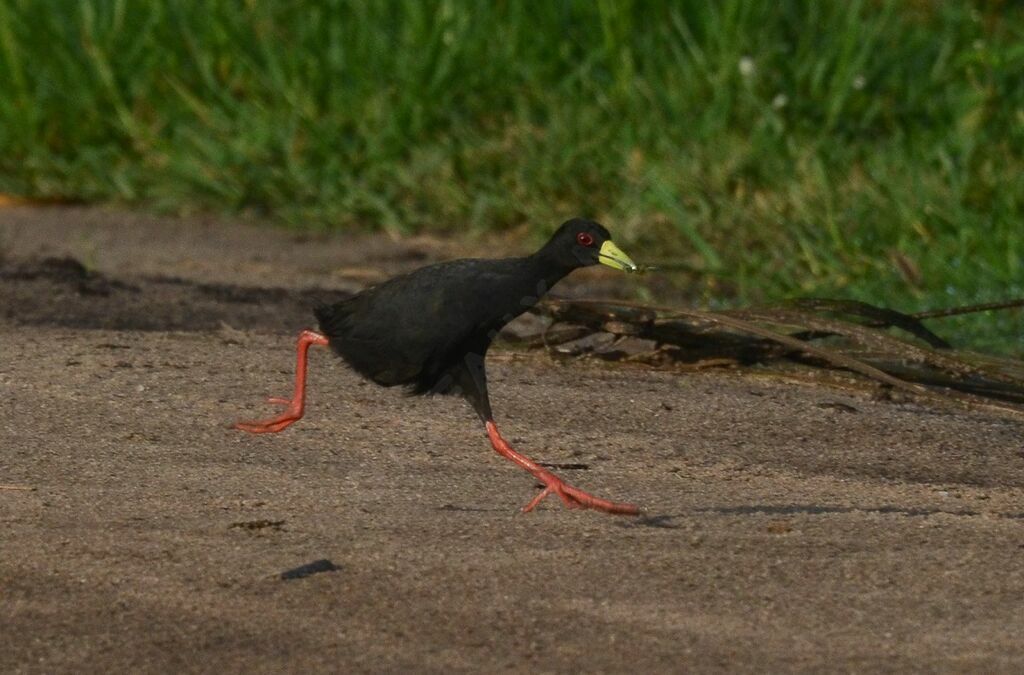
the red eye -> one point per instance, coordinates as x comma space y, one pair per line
584, 239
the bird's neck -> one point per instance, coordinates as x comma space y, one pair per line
547, 270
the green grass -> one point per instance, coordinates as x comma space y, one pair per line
867, 150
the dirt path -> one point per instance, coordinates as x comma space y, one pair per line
789, 527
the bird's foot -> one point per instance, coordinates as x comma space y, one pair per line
574, 498
288, 416
295, 405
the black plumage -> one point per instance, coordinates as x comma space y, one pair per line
430, 330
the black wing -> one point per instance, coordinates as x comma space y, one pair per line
410, 329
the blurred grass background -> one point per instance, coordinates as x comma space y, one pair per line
772, 148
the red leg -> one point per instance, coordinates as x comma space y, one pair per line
297, 402
572, 497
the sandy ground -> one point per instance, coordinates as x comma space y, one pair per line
789, 528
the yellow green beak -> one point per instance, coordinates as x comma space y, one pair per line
612, 256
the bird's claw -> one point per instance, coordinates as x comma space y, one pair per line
574, 498
289, 416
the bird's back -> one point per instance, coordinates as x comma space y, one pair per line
412, 328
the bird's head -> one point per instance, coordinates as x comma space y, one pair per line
580, 243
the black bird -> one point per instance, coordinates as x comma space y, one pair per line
430, 330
